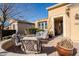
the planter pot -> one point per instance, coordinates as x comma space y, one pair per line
64, 51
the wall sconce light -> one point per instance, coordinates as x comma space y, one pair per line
67, 12
77, 16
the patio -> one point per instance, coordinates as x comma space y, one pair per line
48, 49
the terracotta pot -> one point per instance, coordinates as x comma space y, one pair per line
64, 51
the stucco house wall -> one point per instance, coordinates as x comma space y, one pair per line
13, 25
23, 26
20, 26
58, 12
70, 24
40, 21
74, 22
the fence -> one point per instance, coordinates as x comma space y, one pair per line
4, 33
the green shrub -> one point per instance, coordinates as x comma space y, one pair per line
33, 30
38, 30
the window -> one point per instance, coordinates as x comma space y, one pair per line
42, 25
45, 24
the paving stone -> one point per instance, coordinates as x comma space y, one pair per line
48, 49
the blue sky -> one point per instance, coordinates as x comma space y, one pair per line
33, 11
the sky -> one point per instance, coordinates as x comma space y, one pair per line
28, 11
33, 11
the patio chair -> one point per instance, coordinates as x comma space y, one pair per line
16, 39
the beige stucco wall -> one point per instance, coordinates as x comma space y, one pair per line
74, 22
12, 22
41, 20
36, 24
16, 26
70, 24
58, 12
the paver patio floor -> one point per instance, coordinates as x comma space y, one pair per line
53, 44
48, 49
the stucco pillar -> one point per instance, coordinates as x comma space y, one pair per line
36, 24
64, 26
44, 25
16, 27
51, 25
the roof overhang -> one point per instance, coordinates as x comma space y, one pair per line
40, 20
56, 6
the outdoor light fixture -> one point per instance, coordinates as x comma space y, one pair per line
77, 16
67, 11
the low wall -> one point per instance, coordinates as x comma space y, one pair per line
6, 32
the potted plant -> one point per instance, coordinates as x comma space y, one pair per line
65, 47
50, 34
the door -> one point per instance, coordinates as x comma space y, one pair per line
58, 26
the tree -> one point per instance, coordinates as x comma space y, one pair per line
8, 11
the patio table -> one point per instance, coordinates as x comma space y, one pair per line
31, 45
